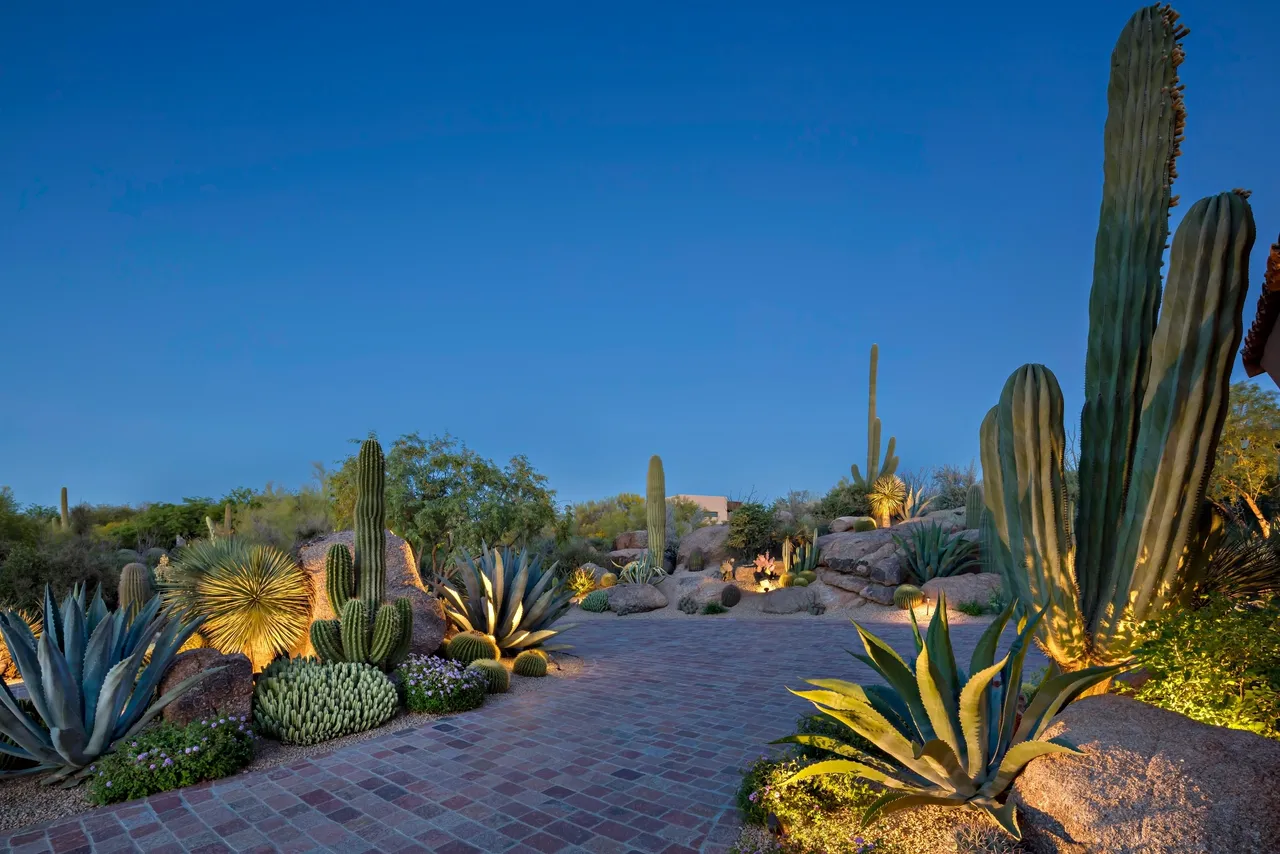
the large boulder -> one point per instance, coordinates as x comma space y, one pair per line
975, 589
429, 623
229, 691
851, 552
631, 540
1151, 781
703, 589
848, 523
710, 540
622, 557
596, 570
868, 590
635, 598
788, 600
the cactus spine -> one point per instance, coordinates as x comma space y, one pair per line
66, 511
1156, 383
655, 506
874, 470
326, 638
135, 588
973, 507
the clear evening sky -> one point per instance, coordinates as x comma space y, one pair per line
234, 236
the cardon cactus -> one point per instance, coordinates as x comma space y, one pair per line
597, 601
531, 662
136, 588
974, 505
608, 580
908, 596
655, 509
875, 470
1156, 387
379, 632
730, 595
471, 646
302, 701
497, 676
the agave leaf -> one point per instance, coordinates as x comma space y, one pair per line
97, 611
974, 716
1017, 758
850, 696
111, 700
1054, 694
901, 679
1011, 678
892, 802
28, 661
21, 729
943, 759
985, 651
61, 693
841, 766
941, 655
76, 638
70, 744
495, 591
836, 746
52, 618
872, 726
158, 706
940, 708
1004, 815
96, 664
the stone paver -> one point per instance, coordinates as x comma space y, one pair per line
640, 755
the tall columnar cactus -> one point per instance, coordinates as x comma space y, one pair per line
1155, 390
226, 519
974, 504
368, 628
655, 506
135, 589
66, 511
875, 470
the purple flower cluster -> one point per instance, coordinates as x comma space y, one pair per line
438, 686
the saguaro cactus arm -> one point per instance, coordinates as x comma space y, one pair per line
655, 506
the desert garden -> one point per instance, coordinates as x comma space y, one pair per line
1074, 646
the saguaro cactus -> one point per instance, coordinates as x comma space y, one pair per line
973, 506
1155, 392
66, 511
655, 507
368, 629
875, 471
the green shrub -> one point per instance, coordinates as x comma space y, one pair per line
60, 561
301, 701
1219, 665
818, 813
844, 499
751, 530
597, 601
973, 609
439, 687
714, 608
168, 756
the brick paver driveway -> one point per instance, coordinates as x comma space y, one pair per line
641, 753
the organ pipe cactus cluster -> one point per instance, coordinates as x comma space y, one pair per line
368, 629
1156, 387
302, 701
875, 470
655, 508
91, 677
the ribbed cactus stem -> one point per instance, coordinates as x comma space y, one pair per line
655, 506
226, 519
386, 634
357, 630
874, 469
973, 506
135, 588
339, 576
370, 519
326, 639
66, 511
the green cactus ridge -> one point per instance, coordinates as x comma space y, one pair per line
65, 514
531, 662
908, 596
302, 701
370, 519
400, 651
467, 647
597, 601
326, 639
974, 504
136, 587
498, 677
875, 470
339, 576
357, 630
655, 508
387, 628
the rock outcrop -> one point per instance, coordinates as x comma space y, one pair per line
710, 540
229, 691
635, 598
631, 540
974, 589
788, 600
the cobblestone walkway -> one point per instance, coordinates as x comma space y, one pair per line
641, 753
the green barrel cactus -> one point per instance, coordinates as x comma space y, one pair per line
597, 601
531, 662
875, 470
497, 676
1157, 373
974, 505
655, 509
368, 628
471, 646
608, 580
303, 701
908, 596
136, 587
730, 595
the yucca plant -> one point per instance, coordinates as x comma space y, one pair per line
932, 553
943, 737
507, 595
91, 678
886, 498
581, 582
256, 599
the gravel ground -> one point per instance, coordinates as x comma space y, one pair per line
926, 830
23, 801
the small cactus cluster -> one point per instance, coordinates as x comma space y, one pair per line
908, 597
368, 628
136, 587
497, 676
730, 595
596, 602
467, 647
607, 580
531, 662
302, 701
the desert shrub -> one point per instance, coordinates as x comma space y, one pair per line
844, 499
282, 519
751, 530
168, 756
951, 485
1244, 568
1219, 664
60, 561
439, 687
972, 609
818, 814
16, 527
162, 524
573, 553
714, 608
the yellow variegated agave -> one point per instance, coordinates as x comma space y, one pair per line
944, 738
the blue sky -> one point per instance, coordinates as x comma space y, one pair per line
232, 239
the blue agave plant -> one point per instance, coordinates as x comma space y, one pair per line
89, 681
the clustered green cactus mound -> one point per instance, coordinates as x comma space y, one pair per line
908, 596
498, 677
470, 646
304, 701
368, 629
597, 601
730, 595
136, 587
689, 605
531, 662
